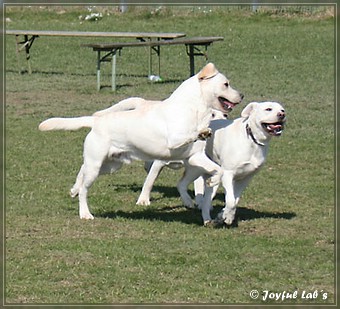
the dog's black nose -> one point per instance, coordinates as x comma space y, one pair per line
281, 115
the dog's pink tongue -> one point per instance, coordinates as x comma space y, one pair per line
275, 126
230, 104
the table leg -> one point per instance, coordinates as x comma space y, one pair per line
159, 60
114, 70
192, 60
150, 60
27, 49
157, 50
98, 70
17, 49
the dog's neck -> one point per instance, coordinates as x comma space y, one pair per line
194, 101
250, 133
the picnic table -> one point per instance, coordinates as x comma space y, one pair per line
29, 37
153, 40
111, 49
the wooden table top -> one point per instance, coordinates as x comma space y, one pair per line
162, 35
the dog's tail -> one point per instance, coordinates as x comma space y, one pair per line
67, 123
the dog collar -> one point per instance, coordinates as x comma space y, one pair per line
250, 133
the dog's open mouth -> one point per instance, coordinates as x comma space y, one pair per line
274, 129
226, 104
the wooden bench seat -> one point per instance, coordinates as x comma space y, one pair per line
112, 48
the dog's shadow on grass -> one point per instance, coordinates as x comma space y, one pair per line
165, 214
190, 216
178, 213
247, 214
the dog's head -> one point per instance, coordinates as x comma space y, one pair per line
216, 89
269, 117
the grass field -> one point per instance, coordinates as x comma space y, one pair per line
285, 239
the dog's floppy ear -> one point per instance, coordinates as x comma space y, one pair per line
248, 109
207, 72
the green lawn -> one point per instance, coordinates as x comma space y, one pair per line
285, 238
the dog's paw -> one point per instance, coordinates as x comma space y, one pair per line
227, 217
187, 202
143, 202
228, 221
213, 181
212, 224
74, 192
208, 223
204, 134
86, 216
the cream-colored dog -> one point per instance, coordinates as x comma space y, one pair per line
240, 147
164, 131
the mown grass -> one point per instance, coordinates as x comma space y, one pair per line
162, 254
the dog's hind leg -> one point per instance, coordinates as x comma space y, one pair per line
156, 168
106, 168
75, 189
96, 150
89, 176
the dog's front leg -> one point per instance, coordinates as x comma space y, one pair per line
206, 204
201, 160
233, 190
204, 134
206, 192
156, 168
239, 186
180, 140
197, 165
199, 185
199, 191
228, 212
190, 174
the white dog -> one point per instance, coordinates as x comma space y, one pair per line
153, 168
240, 147
164, 131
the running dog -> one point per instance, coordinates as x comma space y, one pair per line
165, 131
240, 147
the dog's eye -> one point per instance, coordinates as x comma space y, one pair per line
226, 84
269, 109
